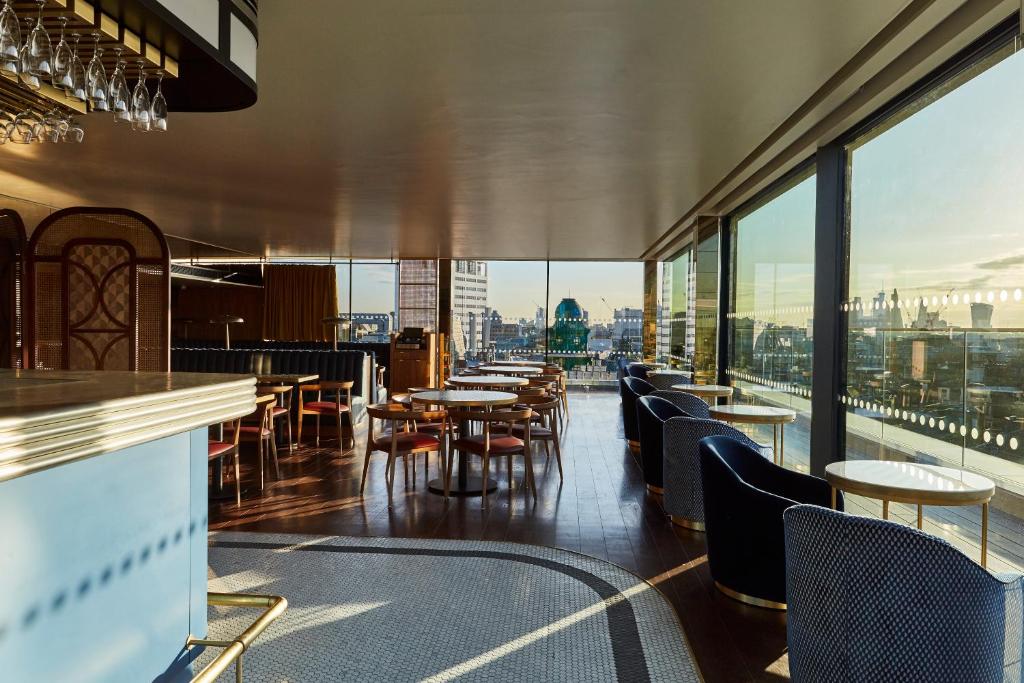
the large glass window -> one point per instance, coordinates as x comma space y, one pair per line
675, 347
935, 349
596, 318
705, 304
367, 293
771, 309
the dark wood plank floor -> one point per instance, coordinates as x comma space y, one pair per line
601, 509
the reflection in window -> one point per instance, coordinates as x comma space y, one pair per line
674, 347
771, 309
935, 352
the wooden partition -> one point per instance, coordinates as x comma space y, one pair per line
99, 292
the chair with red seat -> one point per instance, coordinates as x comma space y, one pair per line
495, 441
545, 428
281, 409
398, 440
218, 450
340, 408
259, 427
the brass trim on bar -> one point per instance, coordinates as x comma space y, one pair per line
687, 523
273, 606
750, 599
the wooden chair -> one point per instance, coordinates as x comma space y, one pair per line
545, 410
398, 441
488, 445
557, 377
340, 409
283, 393
260, 429
218, 450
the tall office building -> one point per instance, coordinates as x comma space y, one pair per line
469, 301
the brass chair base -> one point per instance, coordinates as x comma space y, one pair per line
686, 523
656, 490
633, 445
750, 599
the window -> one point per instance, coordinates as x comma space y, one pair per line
597, 317
675, 296
771, 309
935, 351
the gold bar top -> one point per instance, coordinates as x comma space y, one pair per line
53, 417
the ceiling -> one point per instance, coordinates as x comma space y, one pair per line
466, 128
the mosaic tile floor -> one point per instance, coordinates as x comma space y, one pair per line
382, 609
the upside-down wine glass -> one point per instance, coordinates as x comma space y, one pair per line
76, 90
158, 109
62, 60
96, 77
40, 52
25, 75
10, 40
119, 96
140, 102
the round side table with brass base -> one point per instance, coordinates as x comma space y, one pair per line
750, 599
769, 415
687, 523
656, 490
912, 484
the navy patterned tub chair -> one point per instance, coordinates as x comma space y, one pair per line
651, 414
744, 498
684, 498
694, 406
632, 388
638, 370
871, 600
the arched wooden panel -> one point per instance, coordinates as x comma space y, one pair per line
13, 344
100, 283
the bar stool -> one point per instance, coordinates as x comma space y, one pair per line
398, 441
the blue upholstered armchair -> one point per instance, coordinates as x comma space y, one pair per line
684, 498
651, 413
638, 370
744, 498
871, 600
694, 406
632, 388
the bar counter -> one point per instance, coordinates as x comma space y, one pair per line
103, 512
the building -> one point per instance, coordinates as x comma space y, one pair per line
469, 302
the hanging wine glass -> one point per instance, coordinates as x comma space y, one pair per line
119, 97
22, 128
25, 75
76, 90
140, 102
158, 110
62, 60
74, 132
40, 53
96, 77
10, 40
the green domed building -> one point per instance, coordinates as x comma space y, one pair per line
567, 338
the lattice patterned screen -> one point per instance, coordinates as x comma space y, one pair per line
100, 292
417, 293
12, 255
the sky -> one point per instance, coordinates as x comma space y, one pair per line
937, 210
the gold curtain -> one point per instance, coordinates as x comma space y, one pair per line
296, 299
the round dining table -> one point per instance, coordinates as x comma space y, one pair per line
914, 484
762, 415
487, 381
709, 392
527, 370
465, 485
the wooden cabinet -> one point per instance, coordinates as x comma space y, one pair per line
413, 367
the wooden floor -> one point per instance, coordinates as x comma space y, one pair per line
601, 509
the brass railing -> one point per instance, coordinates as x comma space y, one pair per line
234, 649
